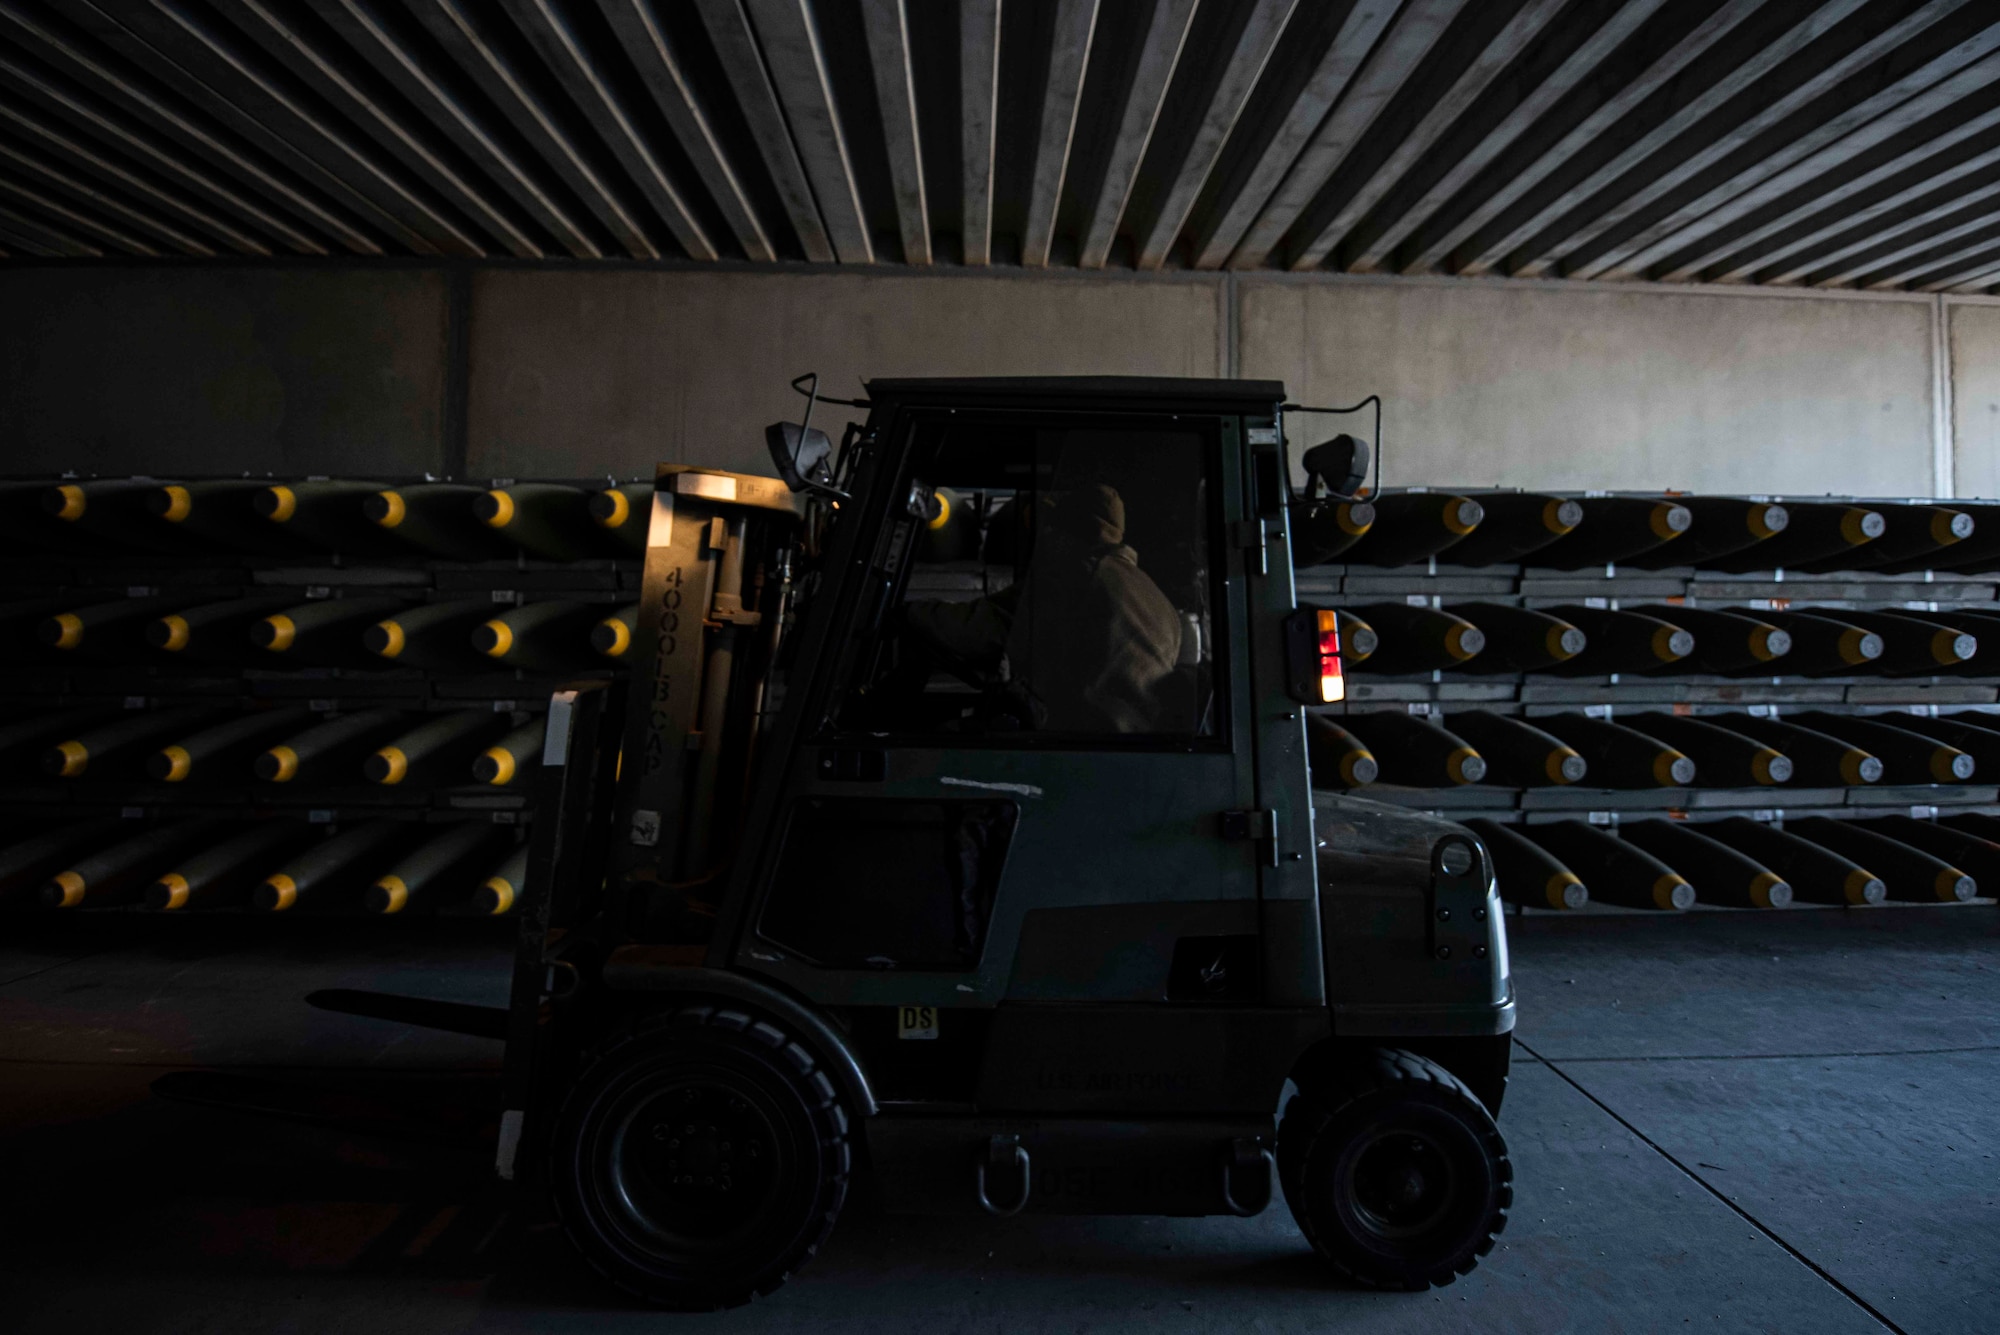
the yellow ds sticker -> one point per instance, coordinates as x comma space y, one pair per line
916, 1022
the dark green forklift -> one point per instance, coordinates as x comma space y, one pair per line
956, 836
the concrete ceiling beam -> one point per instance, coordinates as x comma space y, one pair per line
1252, 52
1062, 93
1527, 25
1390, 61
1983, 281
54, 177
736, 48
1971, 267
1577, 69
41, 204
360, 24
1533, 237
333, 80
1439, 248
81, 155
1868, 251
978, 117
1831, 213
1166, 35
456, 26
1360, 29
118, 134
95, 75
1936, 263
36, 236
1810, 162
886, 24
1619, 232
788, 37
223, 75
637, 28
549, 32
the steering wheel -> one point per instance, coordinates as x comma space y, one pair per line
998, 705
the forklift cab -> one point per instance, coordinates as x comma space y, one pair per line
961, 824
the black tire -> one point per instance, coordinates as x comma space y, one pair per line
702, 1157
1395, 1171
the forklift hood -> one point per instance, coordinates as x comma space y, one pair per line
1363, 840
1413, 950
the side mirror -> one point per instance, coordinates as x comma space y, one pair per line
801, 454
1340, 463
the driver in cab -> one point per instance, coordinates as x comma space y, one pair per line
1085, 636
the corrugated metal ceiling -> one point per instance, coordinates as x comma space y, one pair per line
1842, 143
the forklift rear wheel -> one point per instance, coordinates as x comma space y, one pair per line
1395, 1171
701, 1159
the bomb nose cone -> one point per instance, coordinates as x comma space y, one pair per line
1870, 646
1681, 643
1571, 642
1681, 771
1573, 768
1961, 766
1779, 768
1771, 892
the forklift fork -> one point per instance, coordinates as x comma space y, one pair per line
574, 812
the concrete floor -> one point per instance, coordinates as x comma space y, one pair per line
1780, 1122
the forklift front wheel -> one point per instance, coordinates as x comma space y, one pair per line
701, 1159
1395, 1171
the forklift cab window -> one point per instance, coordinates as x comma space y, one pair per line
1062, 587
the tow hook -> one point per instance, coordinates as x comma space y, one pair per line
1002, 1151
1246, 1155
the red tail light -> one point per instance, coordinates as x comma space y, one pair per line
1332, 686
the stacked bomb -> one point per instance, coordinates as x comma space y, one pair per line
1656, 639
1735, 862
220, 552
201, 748
1735, 534
277, 631
378, 866
1652, 749
431, 520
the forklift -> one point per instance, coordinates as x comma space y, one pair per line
956, 835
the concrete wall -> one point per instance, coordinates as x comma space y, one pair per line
1594, 388
1975, 399
582, 371
576, 374
212, 371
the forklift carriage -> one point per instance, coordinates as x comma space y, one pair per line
957, 824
